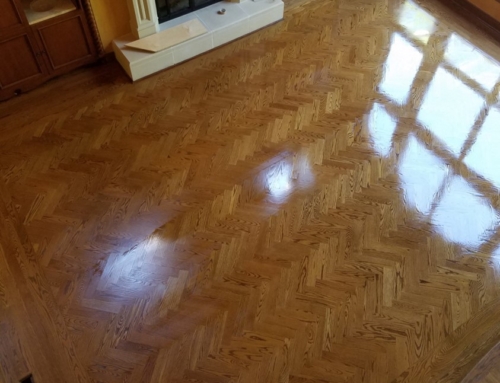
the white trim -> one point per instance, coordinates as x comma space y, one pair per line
239, 20
143, 17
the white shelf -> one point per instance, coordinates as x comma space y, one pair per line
62, 7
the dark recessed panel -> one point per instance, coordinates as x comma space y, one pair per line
18, 61
65, 42
8, 15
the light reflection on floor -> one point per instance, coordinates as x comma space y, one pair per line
450, 109
382, 126
422, 175
484, 156
290, 175
456, 133
279, 180
462, 216
495, 260
472, 62
121, 269
401, 68
416, 21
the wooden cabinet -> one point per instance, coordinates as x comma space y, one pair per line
20, 63
36, 46
10, 18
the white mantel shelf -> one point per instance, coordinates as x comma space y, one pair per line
240, 19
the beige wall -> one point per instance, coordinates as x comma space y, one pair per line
491, 7
112, 19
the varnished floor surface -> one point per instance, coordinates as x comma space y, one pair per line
487, 370
317, 202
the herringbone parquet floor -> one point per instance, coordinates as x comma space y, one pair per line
317, 202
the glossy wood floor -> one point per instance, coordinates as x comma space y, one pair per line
317, 202
487, 370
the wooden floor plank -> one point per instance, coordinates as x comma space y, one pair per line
33, 331
316, 202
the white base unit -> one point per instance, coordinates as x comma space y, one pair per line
239, 19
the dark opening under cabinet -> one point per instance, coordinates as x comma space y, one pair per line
41, 39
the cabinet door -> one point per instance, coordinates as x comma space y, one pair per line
20, 67
11, 19
66, 43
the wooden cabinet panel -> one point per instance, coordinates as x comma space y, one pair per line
9, 17
37, 46
65, 43
19, 62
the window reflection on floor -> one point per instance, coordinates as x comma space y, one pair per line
401, 68
484, 156
450, 109
422, 174
462, 216
382, 126
472, 62
495, 260
416, 21
449, 119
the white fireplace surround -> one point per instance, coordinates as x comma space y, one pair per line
239, 19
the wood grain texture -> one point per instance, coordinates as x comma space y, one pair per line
33, 331
280, 209
487, 370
